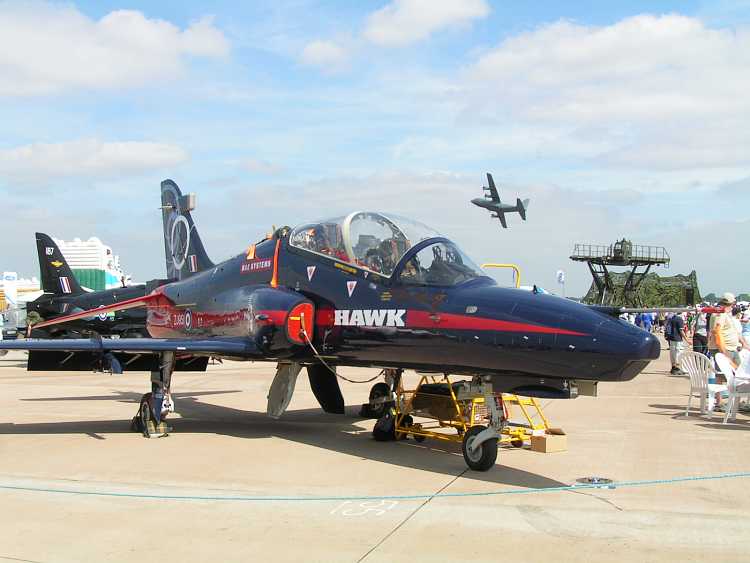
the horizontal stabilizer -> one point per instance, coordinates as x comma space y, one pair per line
521, 207
119, 306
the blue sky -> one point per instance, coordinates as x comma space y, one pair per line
615, 118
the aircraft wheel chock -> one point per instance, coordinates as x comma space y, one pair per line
483, 456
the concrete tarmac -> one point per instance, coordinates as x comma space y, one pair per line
230, 484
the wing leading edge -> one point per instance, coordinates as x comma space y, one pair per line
240, 347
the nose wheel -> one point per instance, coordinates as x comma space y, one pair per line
480, 448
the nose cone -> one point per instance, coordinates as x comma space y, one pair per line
629, 348
650, 347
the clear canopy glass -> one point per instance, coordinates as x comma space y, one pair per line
440, 264
366, 239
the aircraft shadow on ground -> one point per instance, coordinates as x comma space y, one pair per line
312, 427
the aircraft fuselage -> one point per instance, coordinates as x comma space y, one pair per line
364, 319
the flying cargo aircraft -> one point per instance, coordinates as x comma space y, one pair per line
491, 201
367, 289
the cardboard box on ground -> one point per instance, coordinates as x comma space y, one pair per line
554, 440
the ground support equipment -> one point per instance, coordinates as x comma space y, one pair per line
470, 408
516, 433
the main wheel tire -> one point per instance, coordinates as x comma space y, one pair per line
378, 391
144, 415
484, 456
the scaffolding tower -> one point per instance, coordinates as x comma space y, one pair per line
622, 253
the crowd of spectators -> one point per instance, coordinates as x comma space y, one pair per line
723, 327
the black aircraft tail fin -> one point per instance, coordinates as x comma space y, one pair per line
57, 277
185, 254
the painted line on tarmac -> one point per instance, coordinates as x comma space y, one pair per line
250, 498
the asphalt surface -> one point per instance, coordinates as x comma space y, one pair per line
230, 484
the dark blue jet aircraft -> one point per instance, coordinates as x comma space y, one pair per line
366, 289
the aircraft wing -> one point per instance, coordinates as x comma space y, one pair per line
492, 188
216, 346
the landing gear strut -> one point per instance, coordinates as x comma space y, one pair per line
156, 406
381, 395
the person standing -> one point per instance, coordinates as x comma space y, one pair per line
700, 333
674, 331
722, 333
745, 336
646, 321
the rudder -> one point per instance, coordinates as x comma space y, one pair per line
57, 277
183, 248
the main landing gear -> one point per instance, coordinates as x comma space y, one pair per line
156, 406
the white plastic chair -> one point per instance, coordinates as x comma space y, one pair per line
738, 382
699, 368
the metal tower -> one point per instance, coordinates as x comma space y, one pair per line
622, 253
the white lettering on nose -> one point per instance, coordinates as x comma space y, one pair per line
395, 317
369, 317
341, 317
356, 318
375, 317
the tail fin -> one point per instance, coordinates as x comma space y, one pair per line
183, 247
521, 207
57, 277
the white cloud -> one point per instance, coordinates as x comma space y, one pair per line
403, 22
259, 166
87, 158
52, 48
648, 93
328, 55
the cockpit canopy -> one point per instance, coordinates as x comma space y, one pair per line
376, 242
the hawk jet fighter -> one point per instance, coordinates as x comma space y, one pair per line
367, 289
63, 295
491, 201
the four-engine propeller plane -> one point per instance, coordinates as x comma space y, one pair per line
367, 289
491, 201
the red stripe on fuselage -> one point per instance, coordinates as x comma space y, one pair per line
426, 319
173, 318
451, 321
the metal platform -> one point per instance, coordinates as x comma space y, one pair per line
623, 253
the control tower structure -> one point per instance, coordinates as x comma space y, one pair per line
623, 253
